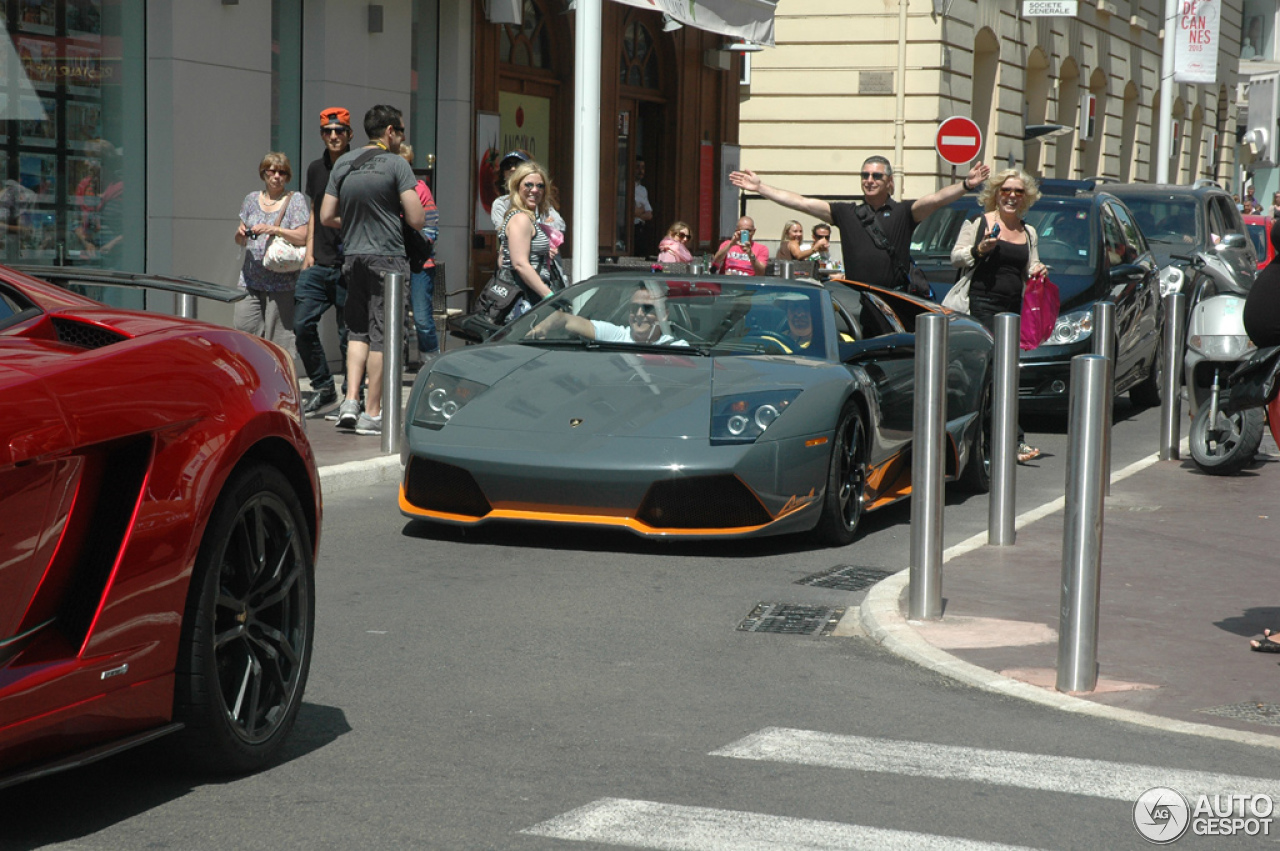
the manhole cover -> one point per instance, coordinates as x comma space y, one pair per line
846, 577
792, 619
1254, 713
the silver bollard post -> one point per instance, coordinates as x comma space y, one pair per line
1082, 526
1104, 343
928, 466
392, 360
1004, 432
186, 306
1175, 334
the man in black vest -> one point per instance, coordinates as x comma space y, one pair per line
320, 284
882, 259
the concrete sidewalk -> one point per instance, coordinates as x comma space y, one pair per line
1187, 564
1187, 580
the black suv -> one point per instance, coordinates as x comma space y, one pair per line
1188, 219
1094, 250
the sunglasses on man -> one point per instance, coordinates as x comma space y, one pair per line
874, 175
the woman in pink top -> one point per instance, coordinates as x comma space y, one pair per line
674, 247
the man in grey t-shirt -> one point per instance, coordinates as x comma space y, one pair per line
368, 191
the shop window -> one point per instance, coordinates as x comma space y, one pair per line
72, 157
639, 57
528, 44
1257, 30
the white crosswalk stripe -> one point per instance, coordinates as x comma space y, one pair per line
674, 827
1072, 775
646, 824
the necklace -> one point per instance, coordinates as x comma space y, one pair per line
267, 201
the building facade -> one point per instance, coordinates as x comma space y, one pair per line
135, 127
851, 78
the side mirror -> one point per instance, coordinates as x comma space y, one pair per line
1233, 241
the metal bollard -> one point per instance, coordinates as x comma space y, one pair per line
186, 306
928, 466
1004, 432
392, 360
1082, 526
1104, 343
1175, 339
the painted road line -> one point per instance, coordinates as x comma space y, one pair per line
1072, 775
647, 824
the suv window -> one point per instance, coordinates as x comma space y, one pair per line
1219, 221
1132, 233
1064, 241
1113, 237
1166, 219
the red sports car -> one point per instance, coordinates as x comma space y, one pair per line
159, 517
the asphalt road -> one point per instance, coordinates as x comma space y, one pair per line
478, 691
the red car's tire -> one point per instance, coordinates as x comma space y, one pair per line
248, 626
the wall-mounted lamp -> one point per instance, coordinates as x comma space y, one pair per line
670, 24
742, 47
375, 17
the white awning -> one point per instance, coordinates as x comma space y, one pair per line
746, 19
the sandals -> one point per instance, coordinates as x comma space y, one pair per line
1030, 453
1268, 644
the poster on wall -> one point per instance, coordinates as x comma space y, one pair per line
488, 155
1195, 49
526, 124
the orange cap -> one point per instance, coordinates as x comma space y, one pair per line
335, 115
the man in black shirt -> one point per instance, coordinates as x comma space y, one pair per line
320, 284
896, 220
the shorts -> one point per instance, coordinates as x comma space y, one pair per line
364, 311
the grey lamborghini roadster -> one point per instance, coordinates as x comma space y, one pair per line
692, 407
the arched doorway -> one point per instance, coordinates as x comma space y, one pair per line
1035, 106
1129, 134
986, 73
638, 130
1069, 116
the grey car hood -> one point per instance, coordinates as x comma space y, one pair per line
608, 392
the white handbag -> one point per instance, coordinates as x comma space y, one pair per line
282, 255
957, 298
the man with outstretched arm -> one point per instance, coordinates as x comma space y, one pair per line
875, 236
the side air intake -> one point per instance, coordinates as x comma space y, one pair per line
84, 335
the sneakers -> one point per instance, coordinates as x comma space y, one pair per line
319, 400
348, 413
366, 424
1027, 453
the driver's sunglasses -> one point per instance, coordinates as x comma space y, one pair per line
638, 308
874, 175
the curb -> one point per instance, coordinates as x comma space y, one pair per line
358, 474
882, 618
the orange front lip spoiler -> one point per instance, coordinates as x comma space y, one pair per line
613, 521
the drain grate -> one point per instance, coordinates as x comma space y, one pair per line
846, 577
792, 619
1254, 713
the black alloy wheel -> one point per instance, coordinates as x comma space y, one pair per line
248, 628
846, 481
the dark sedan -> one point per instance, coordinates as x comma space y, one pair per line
1095, 251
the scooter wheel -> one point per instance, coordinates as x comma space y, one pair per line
1227, 446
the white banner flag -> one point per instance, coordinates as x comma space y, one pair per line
1195, 48
747, 19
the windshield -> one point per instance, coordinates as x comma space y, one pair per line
1067, 239
1165, 219
714, 318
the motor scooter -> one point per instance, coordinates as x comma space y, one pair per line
1221, 443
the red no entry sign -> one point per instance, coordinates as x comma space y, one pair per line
959, 140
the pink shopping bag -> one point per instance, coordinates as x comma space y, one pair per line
1040, 305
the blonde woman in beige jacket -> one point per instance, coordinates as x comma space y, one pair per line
998, 249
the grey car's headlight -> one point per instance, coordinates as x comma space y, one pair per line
1229, 347
1171, 280
442, 397
1071, 328
743, 417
